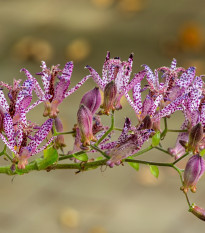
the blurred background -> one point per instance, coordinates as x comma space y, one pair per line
115, 200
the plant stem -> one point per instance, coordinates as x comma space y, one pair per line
109, 130
149, 162
165, 151
63, 133
143, 151
163, 134
98, 149
176, 161
176, 130
71, 155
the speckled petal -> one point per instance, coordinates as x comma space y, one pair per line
169, 109
187, 77
78, 85
41, 134
96, 77
3, 101
44, 146
9, 129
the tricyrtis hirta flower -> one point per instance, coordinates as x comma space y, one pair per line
54, 91
127, 144
19, 99
118, 72
20, 145
194, 169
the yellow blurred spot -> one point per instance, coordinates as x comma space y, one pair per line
78, 50
69, 218
190, 36
31, 48
129, 6
102, 3
98, 229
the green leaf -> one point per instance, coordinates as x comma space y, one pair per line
156, 139
154, 170
134, 165
202, 152
50, 156
99, 158
82, 157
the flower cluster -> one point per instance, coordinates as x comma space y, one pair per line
166, 90
22, 136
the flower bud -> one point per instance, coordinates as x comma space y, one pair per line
92, 100
198, 212
59, 142
195, 136
110, 94
194, 169
85, 118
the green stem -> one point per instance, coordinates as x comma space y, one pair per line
109, 130
63, 133
163, 134
7, 155
176, 130
176, 161
148, 162
80, 166
63, 157
143, 151
165, 151
98, 149
118, 129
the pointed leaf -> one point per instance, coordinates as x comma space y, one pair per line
202, 152
99, 158
154, 170
156, 139
82, 157
134, 165
49, 158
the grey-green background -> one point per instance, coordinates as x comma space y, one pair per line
116, 200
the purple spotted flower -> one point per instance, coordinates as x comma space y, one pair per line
169, 77
54, 92
118, 72
147, 108
194, 111
20, 145
20, 97
126, 145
